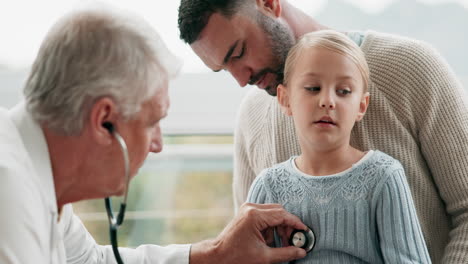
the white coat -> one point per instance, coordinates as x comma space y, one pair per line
30, 229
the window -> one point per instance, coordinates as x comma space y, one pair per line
181, 195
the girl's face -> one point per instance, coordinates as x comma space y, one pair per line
325, 96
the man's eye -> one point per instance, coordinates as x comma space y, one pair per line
313, 88
343, 91
240, 54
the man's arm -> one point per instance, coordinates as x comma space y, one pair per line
248, 129
243, 173
253, 137
441, 115
81, 248
241, 241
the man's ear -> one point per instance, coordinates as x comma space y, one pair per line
103, 111
283, 99
363, 106
269, 7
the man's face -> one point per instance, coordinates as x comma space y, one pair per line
253, 50
145, 131
142, 134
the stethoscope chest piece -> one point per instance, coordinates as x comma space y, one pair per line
304, 239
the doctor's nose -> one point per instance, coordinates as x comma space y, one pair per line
156, 144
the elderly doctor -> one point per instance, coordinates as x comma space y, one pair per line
100, 74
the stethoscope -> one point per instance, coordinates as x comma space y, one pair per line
114, 223
304, 239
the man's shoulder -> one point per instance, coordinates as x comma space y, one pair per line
266, 132
11, 144
374, 38
258, 107
256, 103
25, 217
395, 47
8, 130
14, 159
402, 62
20, 192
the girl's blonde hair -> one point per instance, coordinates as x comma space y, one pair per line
331, 40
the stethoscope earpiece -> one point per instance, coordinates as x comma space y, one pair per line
109, 126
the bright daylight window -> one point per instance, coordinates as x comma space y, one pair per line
184, 194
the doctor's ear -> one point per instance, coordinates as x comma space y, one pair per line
102, 120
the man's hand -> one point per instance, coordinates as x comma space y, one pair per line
243, 240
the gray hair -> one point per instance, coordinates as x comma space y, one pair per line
91, 54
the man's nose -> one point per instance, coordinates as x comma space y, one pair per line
156, 144
241, 73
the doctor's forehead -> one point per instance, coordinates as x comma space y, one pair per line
160, 102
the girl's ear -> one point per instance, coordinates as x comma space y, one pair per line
283, 99
363, 106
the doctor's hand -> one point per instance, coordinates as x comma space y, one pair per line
244, 240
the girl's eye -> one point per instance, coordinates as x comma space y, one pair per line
343, 91
313, 88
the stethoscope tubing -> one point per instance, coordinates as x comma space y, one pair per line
114, 223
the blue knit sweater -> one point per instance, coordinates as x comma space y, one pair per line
362, 215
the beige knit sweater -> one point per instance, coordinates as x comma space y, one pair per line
418, 114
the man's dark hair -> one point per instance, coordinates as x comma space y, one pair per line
194, 15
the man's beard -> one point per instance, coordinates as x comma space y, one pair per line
281, 41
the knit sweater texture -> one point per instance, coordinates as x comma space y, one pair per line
364, 214
418, 114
